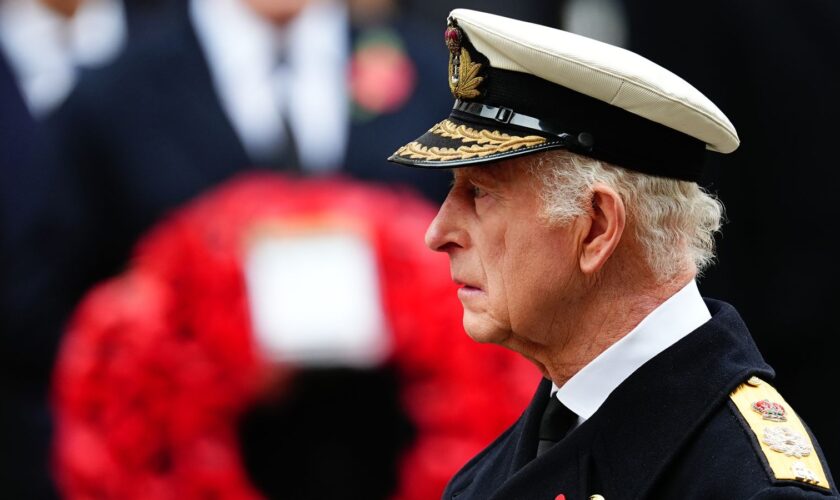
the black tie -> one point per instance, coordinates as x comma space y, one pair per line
557, 421
287, 157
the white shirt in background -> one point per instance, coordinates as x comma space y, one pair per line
243, 51
45, 50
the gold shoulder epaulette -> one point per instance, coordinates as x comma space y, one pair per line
781, 435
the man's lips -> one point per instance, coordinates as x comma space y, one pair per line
466, 286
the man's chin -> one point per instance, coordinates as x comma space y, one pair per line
481, 330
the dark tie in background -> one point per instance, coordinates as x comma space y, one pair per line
557, 421
283, 154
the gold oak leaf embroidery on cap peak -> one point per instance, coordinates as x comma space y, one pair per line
452, 130
487, 142
415, 150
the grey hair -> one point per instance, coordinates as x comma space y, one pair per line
675, 221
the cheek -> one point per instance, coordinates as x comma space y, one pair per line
491, 258
537, 285
520, 293
496, 266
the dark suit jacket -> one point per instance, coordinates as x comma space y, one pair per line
24, 419
669, 431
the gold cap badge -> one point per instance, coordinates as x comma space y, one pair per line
463, 72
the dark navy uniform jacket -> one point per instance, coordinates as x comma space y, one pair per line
670, 431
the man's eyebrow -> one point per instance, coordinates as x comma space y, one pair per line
492, 175
465, 174
483, 174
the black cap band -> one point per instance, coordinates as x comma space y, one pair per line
523, 102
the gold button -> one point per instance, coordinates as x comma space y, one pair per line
754, 381
596, 497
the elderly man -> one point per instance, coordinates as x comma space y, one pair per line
575, 229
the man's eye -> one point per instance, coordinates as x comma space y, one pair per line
478, 192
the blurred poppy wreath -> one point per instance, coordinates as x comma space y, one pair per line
159, 363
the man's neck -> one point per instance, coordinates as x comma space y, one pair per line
605, 318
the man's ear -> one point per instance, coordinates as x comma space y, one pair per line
607, 219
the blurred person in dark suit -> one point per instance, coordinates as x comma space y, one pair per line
44, 45
226, 88
23, 412
774, 66
216, 88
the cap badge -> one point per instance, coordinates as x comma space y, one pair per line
784, 440
463, 72
770, 410
453, 37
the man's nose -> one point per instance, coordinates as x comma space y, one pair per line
434, 234
443, 233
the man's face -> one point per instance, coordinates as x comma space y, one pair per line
66, 8
279, 12
517, 274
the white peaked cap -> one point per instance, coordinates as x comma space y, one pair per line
610, 74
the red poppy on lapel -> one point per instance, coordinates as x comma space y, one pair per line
382, 76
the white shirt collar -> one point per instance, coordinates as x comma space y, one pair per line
675, 318
45, 49
242, 51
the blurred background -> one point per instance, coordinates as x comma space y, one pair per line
142, 141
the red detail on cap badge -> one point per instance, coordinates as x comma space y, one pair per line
770, 410
453, 37
560, 497
464, 78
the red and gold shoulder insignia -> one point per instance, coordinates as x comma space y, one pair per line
781, 436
